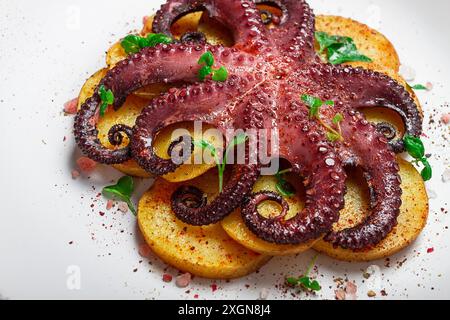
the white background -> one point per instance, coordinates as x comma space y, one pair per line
46, 53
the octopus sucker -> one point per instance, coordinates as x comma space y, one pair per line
269, 70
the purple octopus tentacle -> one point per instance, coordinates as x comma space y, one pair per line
295, 32
381, 171
198, 213
240, 16
200, 102
164, 63
366, 88
324, 179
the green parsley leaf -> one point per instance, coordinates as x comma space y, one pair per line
134, 43
305, 281
427, 172
339, 49
338, 118
313, 103
207, 59
153, 39
204, 72
332, 137
418, 87
414, 146
107, 97
220, 75
122, 191
131, 44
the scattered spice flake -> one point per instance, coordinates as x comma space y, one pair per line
184, 280
339, 294
70, 242
101, 213
430, 250
75, 174
167, 278
214, 287
371, 294
195, 296
383, 293
445, 118
123, 207
144, 250
86, 165
109, 204
70, 107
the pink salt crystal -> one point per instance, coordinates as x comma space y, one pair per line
123, 207
351, 289
75, 174
86, 165
339, 294
429, 86
184, 280
109, 204
144, 250
70, 107
446, 118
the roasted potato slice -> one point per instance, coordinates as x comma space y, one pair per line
369, 41
236, 228
412, 219
203, 251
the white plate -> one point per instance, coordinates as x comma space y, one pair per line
47, 50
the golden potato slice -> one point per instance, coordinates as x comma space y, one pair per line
236, 228
412, 219
203, 251
369, 41
89, 86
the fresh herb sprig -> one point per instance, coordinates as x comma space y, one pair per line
134, 43
107, 97
339, 49
121, 191
305, 282
221, 163
314, 104
207, 61
283, 186
414, 146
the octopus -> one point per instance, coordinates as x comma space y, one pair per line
269, 70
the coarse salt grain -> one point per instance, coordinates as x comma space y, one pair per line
429, 86
109, 204
339, 294
75, 174
123, 207
446, 176
350, 290
184, 280
86, 165
144, 250
446, 118
264, 294
431, 194
408, 73
70, 107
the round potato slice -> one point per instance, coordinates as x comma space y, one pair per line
236, 228
203, 251
411, 221
368, 41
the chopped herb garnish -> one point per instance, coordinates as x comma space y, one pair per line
107, 97
133, 43
414, 146
121, 191
418, 87
305, 282
314, 104
283, 186
221, 165
207, 60
339, 49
